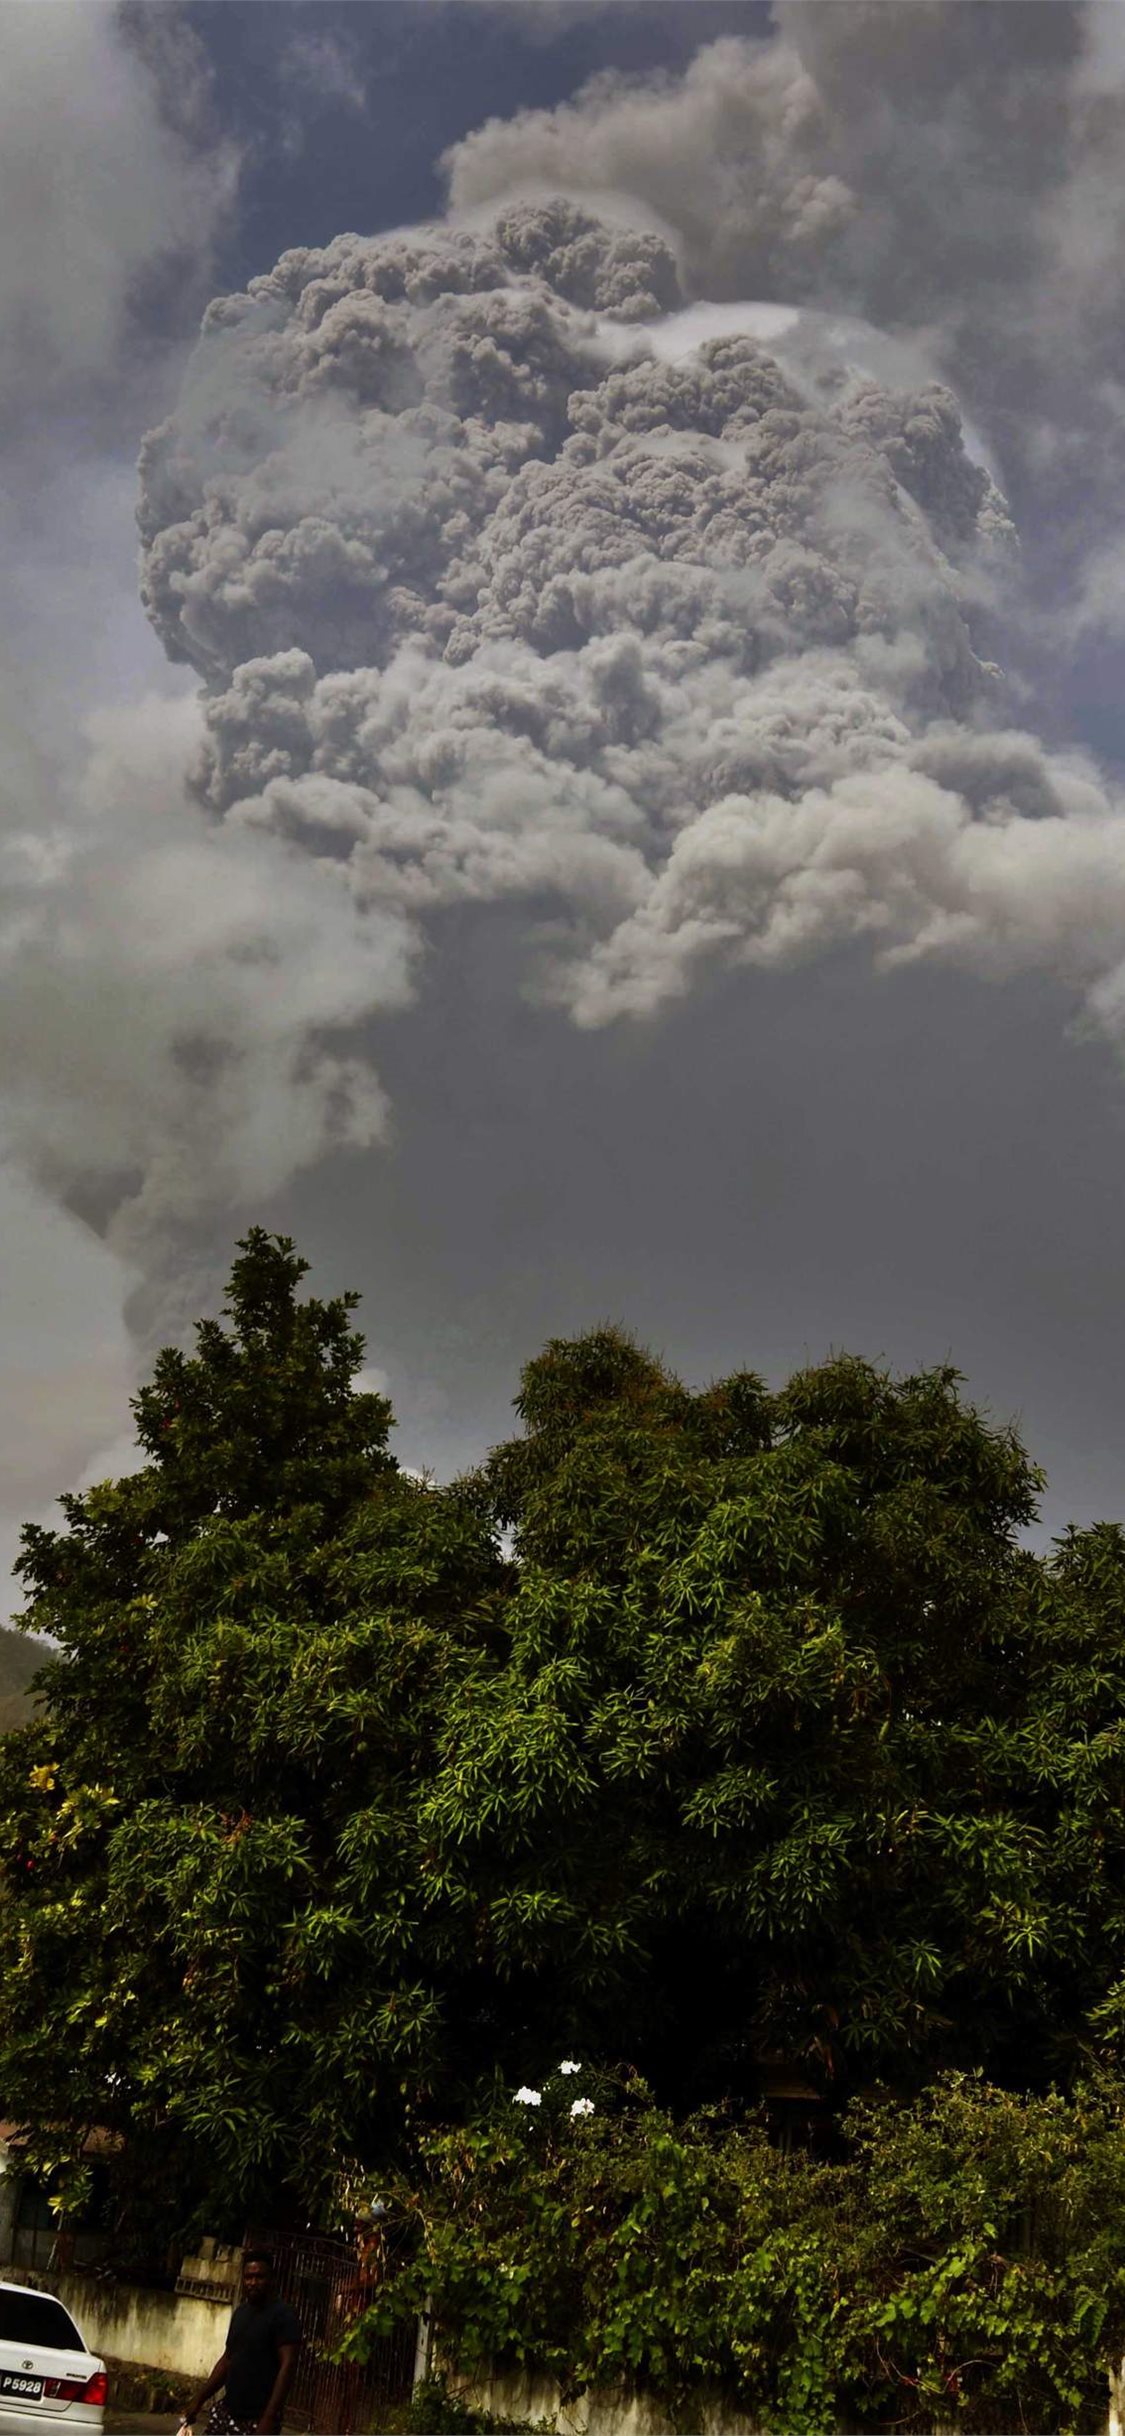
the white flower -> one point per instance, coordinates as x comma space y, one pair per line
569, 2067
528, 2097
582, 2106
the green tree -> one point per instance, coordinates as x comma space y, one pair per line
215, 1938
694, 1730
798, 1750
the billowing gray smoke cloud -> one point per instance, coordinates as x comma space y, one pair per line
517, 576
508, 583
952, 170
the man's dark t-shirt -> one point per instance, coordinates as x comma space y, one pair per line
257, 2331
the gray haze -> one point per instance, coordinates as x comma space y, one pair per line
633, 823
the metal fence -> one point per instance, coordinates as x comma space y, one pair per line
329, 2283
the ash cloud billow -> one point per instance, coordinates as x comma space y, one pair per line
673, 563
950, 169
509, 584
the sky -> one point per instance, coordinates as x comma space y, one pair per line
562, 732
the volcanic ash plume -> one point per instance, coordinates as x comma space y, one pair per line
504, 585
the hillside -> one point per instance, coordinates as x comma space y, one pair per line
20, 1659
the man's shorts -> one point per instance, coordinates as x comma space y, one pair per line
220, 2423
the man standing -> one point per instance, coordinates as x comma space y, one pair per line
258, 2365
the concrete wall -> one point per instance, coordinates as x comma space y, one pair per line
526, 2399
168, 2330
211, 2273
512, 2395
183, 2335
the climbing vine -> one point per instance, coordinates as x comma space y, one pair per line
961, 2261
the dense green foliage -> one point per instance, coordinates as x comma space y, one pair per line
214, 1937
964, 2264
794, 1741
693, 1731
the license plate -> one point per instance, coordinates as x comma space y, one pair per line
29, 2389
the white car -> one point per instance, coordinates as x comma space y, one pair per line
48, 2380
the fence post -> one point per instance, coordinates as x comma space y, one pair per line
424, 2347
9, 2207
1115, 2423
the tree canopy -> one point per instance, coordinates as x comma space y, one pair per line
694, 1731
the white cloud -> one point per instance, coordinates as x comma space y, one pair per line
94, 187
111, 178
171, 995
66, 1373
324, 69
66, 1370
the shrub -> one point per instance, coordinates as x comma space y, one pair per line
962, 2261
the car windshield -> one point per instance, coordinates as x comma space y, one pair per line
35, 2317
